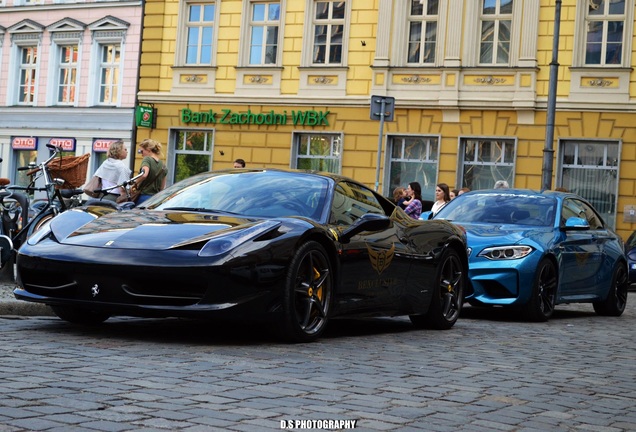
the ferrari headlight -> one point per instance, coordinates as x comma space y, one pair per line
228, 241
506, 252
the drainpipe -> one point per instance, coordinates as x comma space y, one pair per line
548, 150
133, 137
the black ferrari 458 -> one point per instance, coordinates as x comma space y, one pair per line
299, 248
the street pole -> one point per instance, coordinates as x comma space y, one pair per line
380, 136
548, 150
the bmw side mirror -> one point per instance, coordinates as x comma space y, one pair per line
427, 215
576, 224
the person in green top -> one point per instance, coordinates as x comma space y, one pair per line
154, 177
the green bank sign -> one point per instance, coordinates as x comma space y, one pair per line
227, 116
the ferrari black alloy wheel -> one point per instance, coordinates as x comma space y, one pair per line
448, 292
541, 304
78, 315
308, 293
616, 300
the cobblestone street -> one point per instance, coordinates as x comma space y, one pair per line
491, 372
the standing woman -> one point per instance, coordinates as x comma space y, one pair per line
442, 197
413, 200
154, 177
113, 171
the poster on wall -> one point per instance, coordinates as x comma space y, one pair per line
24, 143
66, 144
100, 145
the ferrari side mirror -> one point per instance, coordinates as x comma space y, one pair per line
367, 222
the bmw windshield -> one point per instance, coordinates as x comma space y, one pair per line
501, 207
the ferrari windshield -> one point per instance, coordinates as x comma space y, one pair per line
247, 193
501, 208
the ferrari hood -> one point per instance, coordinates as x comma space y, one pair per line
156, 230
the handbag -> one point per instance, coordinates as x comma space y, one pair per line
93, 184
132, 196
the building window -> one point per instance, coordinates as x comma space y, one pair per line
496, 24
590, 169
68, 69
264, 33
321, 152
422, 31
413, 158
485, 161
192, 153
109, 73
200, 23
27, 75
328, 23
605, 24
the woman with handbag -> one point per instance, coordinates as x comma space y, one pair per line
113, 171
154, 177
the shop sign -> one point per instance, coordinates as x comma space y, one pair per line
145, 116
24, 143
227, 116
101, 145
66, 144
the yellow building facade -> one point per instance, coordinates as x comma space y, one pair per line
289, 84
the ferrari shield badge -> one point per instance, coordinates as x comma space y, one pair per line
380, 259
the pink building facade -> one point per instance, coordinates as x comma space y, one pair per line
68, 75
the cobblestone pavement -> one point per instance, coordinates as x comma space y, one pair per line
491, 372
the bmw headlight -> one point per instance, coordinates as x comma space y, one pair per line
228, 241
506, 252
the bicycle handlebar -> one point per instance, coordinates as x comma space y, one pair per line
122, 184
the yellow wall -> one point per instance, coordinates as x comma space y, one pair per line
271, 146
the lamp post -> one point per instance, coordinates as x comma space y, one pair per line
548, 150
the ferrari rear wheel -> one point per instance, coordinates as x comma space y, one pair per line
541, 305
78, 315
616, 300
308, 294
448, 293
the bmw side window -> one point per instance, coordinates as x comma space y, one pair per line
571, 209
576, 208
592, 217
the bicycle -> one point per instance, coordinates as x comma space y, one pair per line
20, 218
126, 185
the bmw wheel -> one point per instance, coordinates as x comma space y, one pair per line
78, 315
448, 292
308, 294
541, 305
616, 300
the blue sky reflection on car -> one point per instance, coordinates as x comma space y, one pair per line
533, 250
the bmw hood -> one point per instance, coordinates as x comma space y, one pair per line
155, 230
495, 235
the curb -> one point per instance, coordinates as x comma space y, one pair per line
9, 305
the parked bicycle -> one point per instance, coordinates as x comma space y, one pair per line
127, 186
20, 217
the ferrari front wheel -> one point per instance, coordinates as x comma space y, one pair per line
308, 294
448, 292
78, 315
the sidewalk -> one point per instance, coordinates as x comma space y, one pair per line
9, 305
